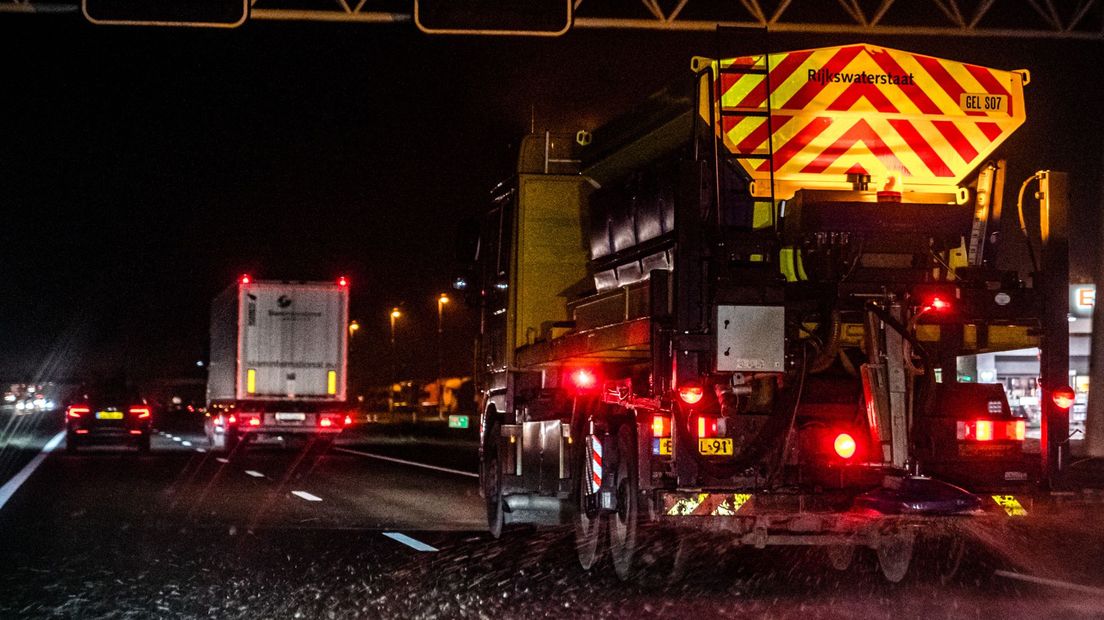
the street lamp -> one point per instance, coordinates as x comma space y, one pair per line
395, 314
353, 328
441, 301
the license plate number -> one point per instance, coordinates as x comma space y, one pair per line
661, 447
109, 415
290, 417
715, 447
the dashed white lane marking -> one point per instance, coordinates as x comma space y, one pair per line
415, 544
11, 486
1055, 583
201, 449
222, 460
411, 463
255, 474
306, 496
186, 444
177, 439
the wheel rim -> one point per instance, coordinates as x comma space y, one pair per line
624, 523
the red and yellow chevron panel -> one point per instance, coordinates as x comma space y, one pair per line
926, 121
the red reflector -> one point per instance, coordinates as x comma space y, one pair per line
661, 426
983, 430
141, 412
76, 412
342, 281
691, 394
325, 422
844, 445
1063, 397
584, 379
82, 431
135, 432
245, 279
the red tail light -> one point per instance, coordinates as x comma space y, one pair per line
248, 419
348, 420
245, 279
991, 430
691, 394
325, 422
76, 411
343, 281
255, 421
140, 412
706, 426
844, 445
231, 419
584, 379
661, 426
1063, 397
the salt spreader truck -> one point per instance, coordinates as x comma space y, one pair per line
740, 310
278, 362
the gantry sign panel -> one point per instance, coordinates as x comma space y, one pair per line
204, 13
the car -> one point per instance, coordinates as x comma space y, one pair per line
108, 414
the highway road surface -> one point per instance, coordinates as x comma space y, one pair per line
390, 525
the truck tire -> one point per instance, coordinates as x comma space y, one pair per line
588, 526
491, 479
624, 525
895, 555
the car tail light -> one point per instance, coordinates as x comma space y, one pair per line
991, 430
76, 411
231, 419
348, 420
844, 445
135, 432
661, 426
325, 422
140, 412
249, 419
705, 426
691, 394
584, 379
1063, 397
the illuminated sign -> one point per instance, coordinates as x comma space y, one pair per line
1082, 299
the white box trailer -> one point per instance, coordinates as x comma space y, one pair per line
278, 359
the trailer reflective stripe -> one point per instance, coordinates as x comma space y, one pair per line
707, 504
331, 382
1011, 505
251, 381
594, 446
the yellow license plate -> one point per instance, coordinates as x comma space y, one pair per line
715, 447
109, 415
665, 447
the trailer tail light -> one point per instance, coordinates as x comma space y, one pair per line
844, 445
584, 379
991, 430
343, 282
245, 279
705, 426
691, 394
661, 426
140, 412
1064, 397
938, 304
76, 411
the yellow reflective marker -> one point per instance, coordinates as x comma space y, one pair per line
1011, 505
251, 381
687, 505
331, 382
665, 447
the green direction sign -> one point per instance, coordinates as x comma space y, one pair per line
458, 421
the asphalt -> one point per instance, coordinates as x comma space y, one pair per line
343, 533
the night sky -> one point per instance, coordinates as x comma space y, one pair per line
142, 170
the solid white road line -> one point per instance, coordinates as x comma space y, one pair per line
1076, 587
411, 463
222, 460
306, 496
11, 486
417, 545
255, 474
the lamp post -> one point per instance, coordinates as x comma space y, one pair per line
441, 301
395, 314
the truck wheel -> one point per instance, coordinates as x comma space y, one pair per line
588, 526
895, 556
491, 478
624, 525
840, 557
